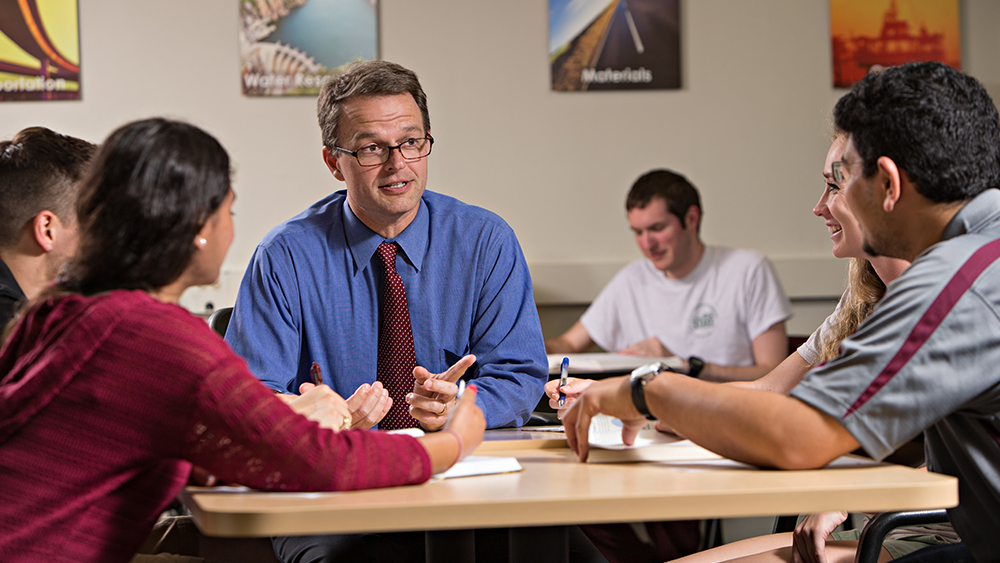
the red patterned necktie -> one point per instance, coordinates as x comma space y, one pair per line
396, 359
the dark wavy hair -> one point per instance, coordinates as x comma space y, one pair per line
937, 124
151, 188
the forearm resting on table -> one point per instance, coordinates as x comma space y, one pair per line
757, 427
443, 449
769, 349
573, 341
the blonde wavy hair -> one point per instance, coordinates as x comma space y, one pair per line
864, 290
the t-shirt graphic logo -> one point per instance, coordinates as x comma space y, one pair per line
703, 320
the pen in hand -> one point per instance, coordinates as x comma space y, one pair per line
316, 373
563, 380
458, 398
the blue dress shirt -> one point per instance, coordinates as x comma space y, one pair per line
313, 292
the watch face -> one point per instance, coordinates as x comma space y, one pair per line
649, 369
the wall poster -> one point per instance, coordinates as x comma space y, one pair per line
888, 33
616, 45
289, 47
39, 50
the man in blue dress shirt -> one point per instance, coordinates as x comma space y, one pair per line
313, 290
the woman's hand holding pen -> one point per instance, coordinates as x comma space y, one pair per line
462, 434
573, 388
434, 393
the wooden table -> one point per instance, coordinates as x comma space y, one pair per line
556, 490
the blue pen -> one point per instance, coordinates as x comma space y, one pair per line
563, 373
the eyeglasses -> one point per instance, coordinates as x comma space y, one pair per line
839, 173
375, 154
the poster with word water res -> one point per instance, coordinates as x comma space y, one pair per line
616, 45
289, 47
866, 33
39, 50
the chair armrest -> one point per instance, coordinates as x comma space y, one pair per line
879, 527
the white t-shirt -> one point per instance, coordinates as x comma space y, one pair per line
715, 312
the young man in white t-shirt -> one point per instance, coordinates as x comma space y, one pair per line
721, 310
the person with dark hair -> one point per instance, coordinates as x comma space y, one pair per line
721, 310
40, 173
386, 282
919, 173
111, 390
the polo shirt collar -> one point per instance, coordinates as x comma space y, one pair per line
981, 209
363, 242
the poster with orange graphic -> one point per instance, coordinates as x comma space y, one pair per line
39, 50
891, 32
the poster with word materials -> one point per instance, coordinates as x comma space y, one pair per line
616, 45
866, 33
290, 47
39, 50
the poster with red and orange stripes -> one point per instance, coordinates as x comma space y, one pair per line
866, 33
39, 50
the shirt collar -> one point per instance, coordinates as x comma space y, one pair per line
363, 242
982, 208
7, 279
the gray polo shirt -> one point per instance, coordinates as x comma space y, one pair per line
928, 360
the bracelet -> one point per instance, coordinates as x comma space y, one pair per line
461, 446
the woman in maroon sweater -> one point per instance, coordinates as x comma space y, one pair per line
110, 391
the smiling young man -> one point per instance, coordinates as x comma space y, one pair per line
722, 310
919, 173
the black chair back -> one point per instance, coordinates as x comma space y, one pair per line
219, 320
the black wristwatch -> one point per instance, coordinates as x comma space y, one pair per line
695, 365
641, 377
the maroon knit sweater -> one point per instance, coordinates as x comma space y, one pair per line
106, 401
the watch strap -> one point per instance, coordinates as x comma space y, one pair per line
695, 365
639, 394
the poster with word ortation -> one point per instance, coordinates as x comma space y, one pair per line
39, 50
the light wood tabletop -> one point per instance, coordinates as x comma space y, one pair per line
555, 489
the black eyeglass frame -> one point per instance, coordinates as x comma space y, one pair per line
388, 152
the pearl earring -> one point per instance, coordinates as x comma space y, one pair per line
202, 242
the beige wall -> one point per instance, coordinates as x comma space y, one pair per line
749, 127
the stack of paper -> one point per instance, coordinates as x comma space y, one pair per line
481, 465
607, 363
606, 445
